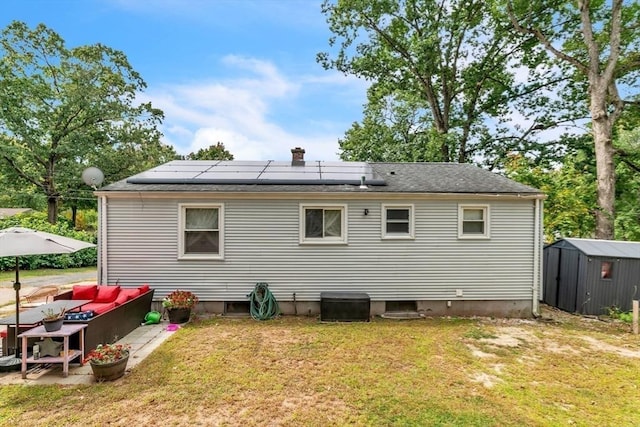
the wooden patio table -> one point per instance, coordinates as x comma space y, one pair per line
67, 354
33, 317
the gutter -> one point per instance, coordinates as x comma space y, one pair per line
352, 194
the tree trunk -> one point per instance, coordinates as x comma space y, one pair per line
50, 189
74, 214
52, 209
605, 104
605, 168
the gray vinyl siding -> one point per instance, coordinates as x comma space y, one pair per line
262, 245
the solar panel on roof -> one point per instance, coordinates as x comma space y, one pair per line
289, 175
227, 175
257, 172
298, 169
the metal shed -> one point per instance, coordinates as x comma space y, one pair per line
589, 276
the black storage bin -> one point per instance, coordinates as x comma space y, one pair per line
344, 307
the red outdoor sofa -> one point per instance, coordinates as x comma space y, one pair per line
113, 312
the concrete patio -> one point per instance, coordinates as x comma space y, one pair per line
142, 340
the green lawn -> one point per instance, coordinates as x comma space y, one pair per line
562, 370
6, 276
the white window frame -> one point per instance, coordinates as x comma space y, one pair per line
384, 221
323, 240
486, 215
182, 209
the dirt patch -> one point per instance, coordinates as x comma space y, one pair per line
514, 337
487, 380
479, 353
603, 346
551, 333
511, 337
557, 348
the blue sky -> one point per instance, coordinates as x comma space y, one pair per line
242, 72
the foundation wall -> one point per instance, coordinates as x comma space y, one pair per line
462, 308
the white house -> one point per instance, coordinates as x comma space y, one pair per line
432, 238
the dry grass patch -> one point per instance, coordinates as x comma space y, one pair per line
297, 371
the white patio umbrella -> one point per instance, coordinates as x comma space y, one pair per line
18, 241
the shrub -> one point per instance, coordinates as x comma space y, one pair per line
616, 313
38, 221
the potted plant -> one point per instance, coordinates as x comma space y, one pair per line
108, 361
53, 320
179, 304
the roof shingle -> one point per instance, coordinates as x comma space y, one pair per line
398, 177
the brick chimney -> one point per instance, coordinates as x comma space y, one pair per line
297, 156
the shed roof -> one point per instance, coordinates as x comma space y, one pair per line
605, 248
383, 177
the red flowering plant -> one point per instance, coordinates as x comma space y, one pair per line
107, 353
180, 299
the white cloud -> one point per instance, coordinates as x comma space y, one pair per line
275, 85
242, 112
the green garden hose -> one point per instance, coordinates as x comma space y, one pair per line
263, 304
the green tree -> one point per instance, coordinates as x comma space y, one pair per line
61, 107
26, 197
442, 76
394, 129
627, 148
599, 45
570, 205
213, 152
570, 185
117, 162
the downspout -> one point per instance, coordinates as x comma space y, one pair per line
537, 258
102, 240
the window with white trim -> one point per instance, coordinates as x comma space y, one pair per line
323, 224
201, 231
473, 221
397, 221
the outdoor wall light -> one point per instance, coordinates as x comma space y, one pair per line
366, 211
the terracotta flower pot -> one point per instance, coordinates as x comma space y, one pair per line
109, 371
179, 315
